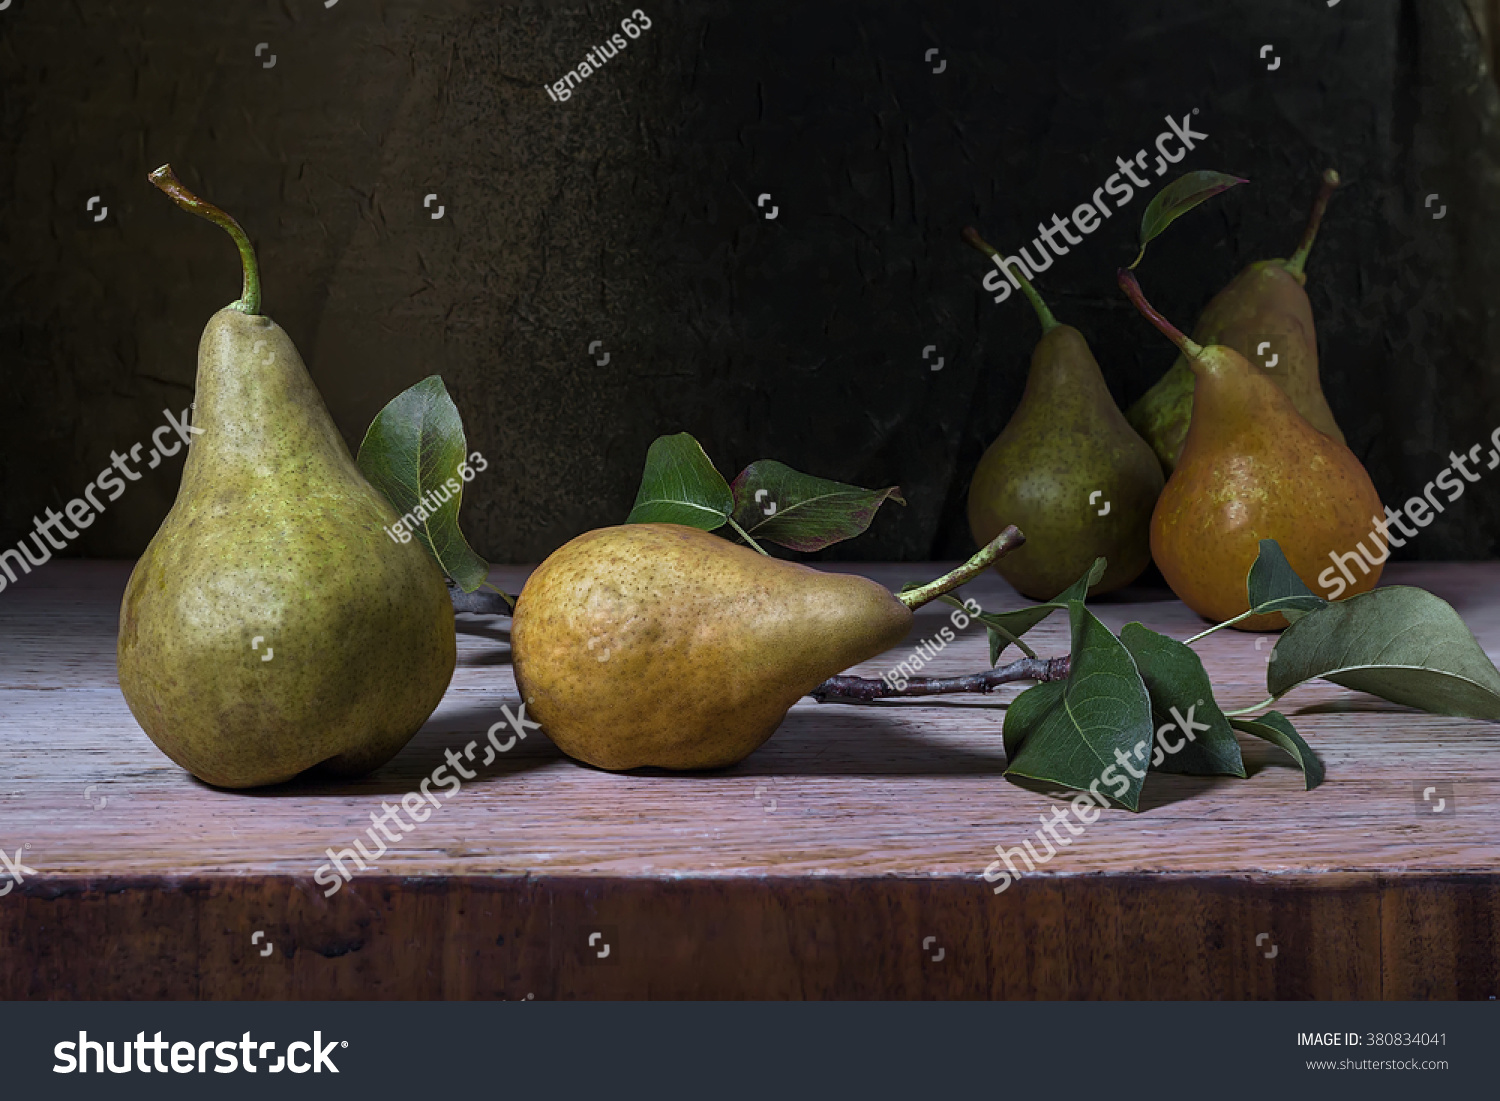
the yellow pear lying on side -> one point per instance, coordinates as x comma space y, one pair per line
657, 644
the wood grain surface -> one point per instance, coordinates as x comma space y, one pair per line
843, 859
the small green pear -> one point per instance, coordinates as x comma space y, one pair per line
272, 625
1067, 469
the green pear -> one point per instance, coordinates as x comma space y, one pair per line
272, 625
1067, 469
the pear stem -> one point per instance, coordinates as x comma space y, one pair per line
745, 535
1299, 258
971, 235
249, 300
846, 689
1190, 347
998, 547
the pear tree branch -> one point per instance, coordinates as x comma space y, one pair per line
845, 689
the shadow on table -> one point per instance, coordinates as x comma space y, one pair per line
1163, 789
1372, 705
491, 633
832, 740
427, 751
828, 740
868, 740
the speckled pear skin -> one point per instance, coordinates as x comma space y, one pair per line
275, 533
657, 644
1066, 439
1253, 468
1264, 302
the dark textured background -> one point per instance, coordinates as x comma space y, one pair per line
627, 215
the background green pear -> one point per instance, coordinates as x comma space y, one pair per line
1067, 469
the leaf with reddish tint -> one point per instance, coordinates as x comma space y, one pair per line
1179, 197
778, 504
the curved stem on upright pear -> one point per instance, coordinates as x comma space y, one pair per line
1299, 258
249, 300
997, 548
971, 235
846, 689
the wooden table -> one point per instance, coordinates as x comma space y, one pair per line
842, 860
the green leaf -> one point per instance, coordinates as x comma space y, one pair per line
1179, 197
1068, 732
1273, 585
969, 608
1399, 643
1181, 696
1006, 628
1079, 590
414, 453
774, 502
999, 637
1028, 711
1274, 727
681, 486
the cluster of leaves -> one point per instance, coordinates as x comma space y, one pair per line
1400, 643
767, 501
416, 444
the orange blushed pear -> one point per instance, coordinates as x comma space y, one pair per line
1252, 468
